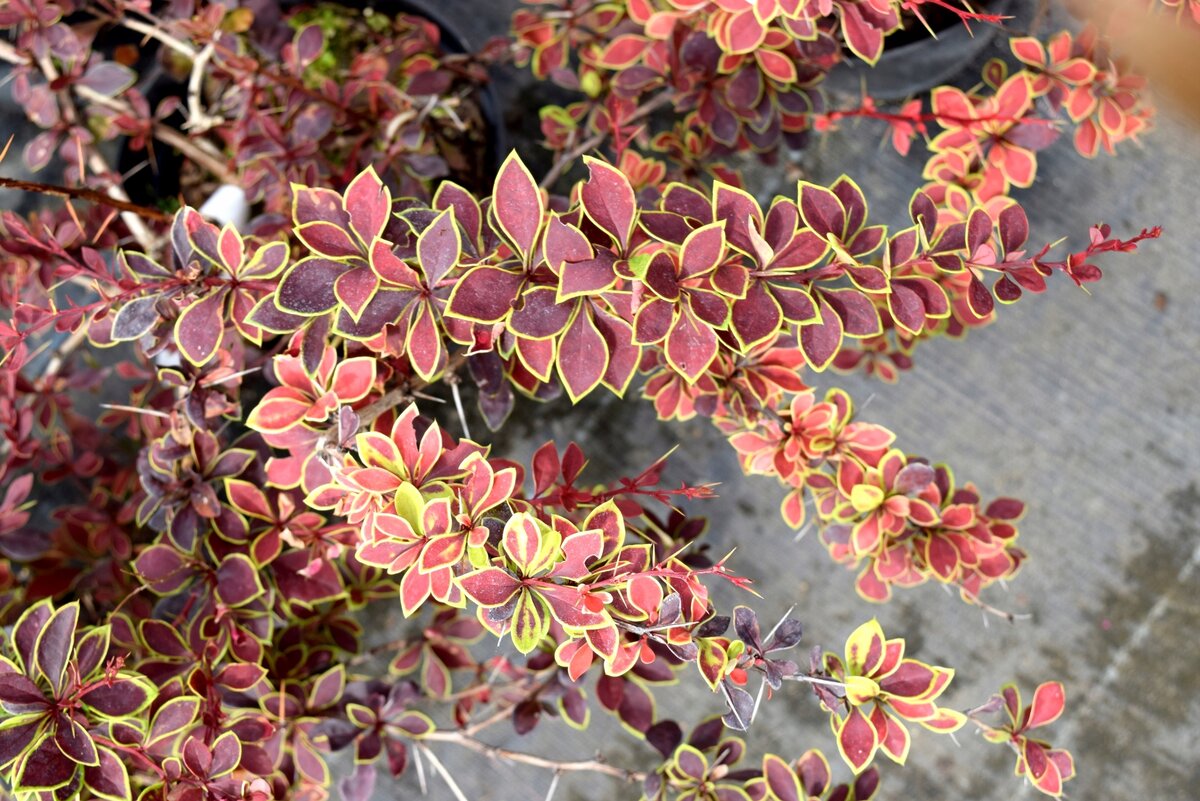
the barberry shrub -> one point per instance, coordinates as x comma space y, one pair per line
187, 576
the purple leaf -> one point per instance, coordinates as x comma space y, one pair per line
108, 78
360, 785
439, 247
118, 698
163, 568
525, 716
55, 643
200, 326
665, 736
913, 478
108, 779
741, 708
237, 580
47, 768
136, 318
18, 694
821, 341
226, 754
40, 150
307, 288
173, 717
73, 740
16, 737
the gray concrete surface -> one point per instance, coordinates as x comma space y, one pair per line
1086, 406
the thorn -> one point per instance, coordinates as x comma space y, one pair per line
445, 774
420, 771
758, 698
135, 410
553, 785
458, 405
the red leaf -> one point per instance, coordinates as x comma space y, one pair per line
467, 213
517, 205
865, 40
857, 740
906, 308
776, 66
608, 200
743, 34
910, 680
318, 205
485, 294
702, 251
280, 409
424, 346
490, 587
564, 243
691, 346
355, 289
822, 210
859, 316
623, 52
979, 298
368, 202
756, 317
1047, 705
740, 211
582, 355
353, 379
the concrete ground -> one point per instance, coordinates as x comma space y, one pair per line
1087, 406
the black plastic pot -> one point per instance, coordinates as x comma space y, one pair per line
162, 178
918, 65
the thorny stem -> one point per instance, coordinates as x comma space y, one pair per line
199, 151
84, 193
157, 32
597, 765
810, 679
95, 161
